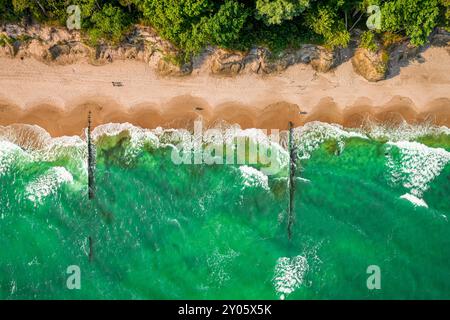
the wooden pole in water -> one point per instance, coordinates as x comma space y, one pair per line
91, 161
291, 182
91, 249
91, 178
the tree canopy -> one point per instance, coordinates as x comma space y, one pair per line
239, 24
277, 11
416, 18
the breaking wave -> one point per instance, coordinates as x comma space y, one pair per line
414, 166
254, 178
289, 274
47, 184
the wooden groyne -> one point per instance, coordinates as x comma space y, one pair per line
291, 181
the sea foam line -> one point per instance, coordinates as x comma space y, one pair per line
47, 184
415, 167
254, 178
289, 274
9, 153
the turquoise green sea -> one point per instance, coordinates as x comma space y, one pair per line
165, 231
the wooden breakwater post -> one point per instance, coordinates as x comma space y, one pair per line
91, 177
291, 181
91, 249
91, 160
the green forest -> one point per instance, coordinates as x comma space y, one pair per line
237, 24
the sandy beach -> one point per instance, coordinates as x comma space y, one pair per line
58, 98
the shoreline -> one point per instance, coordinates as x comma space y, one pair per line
59, 122
58, 98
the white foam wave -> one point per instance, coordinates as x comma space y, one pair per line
139, 137
72, 147
279, 157
289, 274
249, 146
403, 131
313, 134
414, 200
37, 145
254, 178
308, 138
47, 183
415, 166
28, 137
9, 152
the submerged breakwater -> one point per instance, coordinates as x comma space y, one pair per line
373, 196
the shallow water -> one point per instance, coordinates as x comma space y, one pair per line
165, 231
